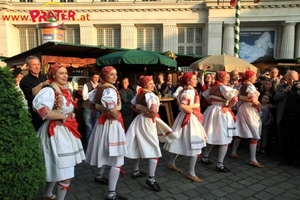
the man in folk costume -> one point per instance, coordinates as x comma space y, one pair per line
142, 136
219, 120
107, 144
187, 127
59, 137
248, 122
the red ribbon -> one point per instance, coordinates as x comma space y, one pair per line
64, 187
70, 124
105, 116
122, 171
196, 112
232, 114
158, 160
67, 95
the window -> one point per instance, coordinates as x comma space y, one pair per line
24, 1
65, 1
72, 35
28, 38
190, 40
108, 0
149, 38
109, 37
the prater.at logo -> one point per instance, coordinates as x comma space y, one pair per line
46, 15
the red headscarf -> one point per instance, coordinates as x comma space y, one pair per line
52, 71
104, 71
144, 80
186, 77
219, 76
247, 75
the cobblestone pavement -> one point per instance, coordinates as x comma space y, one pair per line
243, 182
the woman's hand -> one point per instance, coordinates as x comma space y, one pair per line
224, 109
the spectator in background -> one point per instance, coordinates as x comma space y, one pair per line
180, 75
170, 88
127, 95
266, 121
235, 84
90, 115
31, 84
17, 73
205, 84
274, 76
160, 84
288, 117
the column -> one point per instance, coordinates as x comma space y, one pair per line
288, 40
228, 39
214, 38
128, 36
297, 44
170, 35
87, 35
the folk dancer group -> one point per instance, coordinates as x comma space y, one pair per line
108, 143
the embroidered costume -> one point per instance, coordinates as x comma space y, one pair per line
60, 144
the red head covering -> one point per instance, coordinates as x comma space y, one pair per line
186, 77
220, 75
144, 80
104, 71
53, 70
248, 74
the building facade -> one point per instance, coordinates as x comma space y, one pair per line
270, 28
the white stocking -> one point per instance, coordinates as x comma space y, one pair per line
114, 173
101, 171
208, 149
173, 159
193, 160
252, 148
222, 153
236, 144
136, 165
49, 189
62, 189
152, 166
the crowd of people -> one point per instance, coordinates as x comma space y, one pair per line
215, 109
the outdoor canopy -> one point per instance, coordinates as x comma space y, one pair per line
223, 63
136, 59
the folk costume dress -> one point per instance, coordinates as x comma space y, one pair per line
188, 127
60, 144
248, 122
219, 127
107, 144
143, 134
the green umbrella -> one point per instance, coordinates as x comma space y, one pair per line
136, 59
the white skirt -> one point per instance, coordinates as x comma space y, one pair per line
142, 137
61, 152
191, 137
101, 151
248, 122
219, 127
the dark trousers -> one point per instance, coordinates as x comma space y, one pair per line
290, 136
36, 120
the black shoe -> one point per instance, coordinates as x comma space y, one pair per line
102, 180
208, 162
116, 197
222, 169
140, 174
285, 163
153, 185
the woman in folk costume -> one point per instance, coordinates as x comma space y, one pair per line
188, 128
248, 122
59, 138
219, 120
142, 136
107, 144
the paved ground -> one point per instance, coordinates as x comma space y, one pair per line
244, 181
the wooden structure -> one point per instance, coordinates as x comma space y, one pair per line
282, 64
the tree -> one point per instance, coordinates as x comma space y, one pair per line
22, 170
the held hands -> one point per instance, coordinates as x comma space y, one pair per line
69, 115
